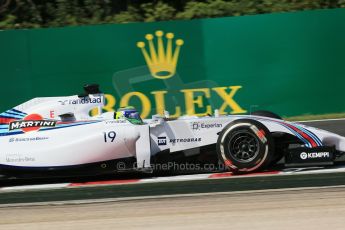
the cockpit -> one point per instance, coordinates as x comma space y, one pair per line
129, 113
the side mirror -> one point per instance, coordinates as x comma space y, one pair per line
67, 117
90, 89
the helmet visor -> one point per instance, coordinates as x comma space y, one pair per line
134, 115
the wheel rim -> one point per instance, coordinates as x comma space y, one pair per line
244, 146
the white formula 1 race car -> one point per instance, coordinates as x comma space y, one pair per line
56, 136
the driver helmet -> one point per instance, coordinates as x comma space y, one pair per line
129, 113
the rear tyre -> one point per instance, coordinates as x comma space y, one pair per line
264, 113
245, 146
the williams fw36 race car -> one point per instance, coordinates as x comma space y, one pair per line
57, 136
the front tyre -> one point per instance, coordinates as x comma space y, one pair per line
245, 146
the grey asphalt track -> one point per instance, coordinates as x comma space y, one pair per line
303, 209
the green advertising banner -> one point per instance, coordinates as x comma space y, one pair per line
289, 63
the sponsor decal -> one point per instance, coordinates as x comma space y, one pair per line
63, 102
201, 125
11, 140
314, 155
161, 53
80, 101
184, 140
17, 158
224, 94
304, 155
52, 114
32, 122
162, 61
162, 141
115, 122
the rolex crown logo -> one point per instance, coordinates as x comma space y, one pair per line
160, 60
